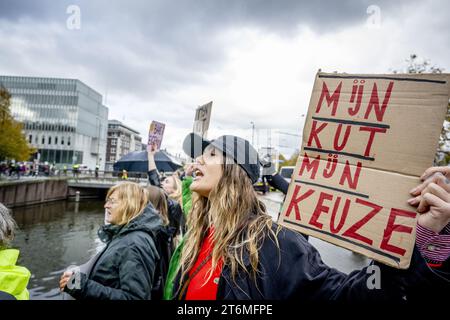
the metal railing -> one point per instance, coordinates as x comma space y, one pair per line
77, 175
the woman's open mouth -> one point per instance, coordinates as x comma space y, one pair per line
198, 174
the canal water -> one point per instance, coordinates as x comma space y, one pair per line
52, 237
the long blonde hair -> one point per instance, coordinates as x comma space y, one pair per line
157, 197
240, 224
132, 199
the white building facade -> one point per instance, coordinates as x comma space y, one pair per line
121, 140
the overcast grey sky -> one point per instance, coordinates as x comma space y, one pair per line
255, 59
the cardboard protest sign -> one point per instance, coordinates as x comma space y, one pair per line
156, 133
202, 118
366, 141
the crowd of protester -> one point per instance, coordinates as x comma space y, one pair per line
15, 169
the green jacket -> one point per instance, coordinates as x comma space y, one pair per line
13, 279
187, 195
175, 260
174, 266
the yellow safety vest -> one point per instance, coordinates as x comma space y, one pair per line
13, 279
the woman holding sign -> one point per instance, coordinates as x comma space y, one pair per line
433, 196
233, 250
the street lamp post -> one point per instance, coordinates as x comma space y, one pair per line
253, 133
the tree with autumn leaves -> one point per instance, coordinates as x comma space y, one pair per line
13, 144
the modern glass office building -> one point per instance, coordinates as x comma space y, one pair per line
63, 118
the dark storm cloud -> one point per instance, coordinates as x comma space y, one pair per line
148, 46
144, 48
163, 17
144, 53
35, 9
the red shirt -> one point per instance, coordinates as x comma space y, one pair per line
197, 288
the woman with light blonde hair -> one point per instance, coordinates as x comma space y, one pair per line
172, 186
125, 270
232, 250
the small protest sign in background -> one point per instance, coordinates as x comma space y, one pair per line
202, 118
156, 133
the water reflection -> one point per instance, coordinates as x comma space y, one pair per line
53, 236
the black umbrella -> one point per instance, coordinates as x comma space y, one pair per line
137, 161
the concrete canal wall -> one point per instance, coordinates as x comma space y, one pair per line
23, 193
26, 192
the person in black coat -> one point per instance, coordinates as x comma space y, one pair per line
172, 188
125, 269
233, 249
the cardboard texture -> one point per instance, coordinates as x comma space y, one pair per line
366, 141
156, 133
202, 118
